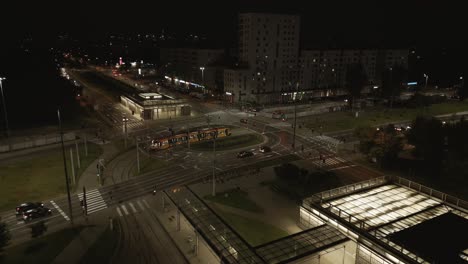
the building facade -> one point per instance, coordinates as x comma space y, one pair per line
268, 50
274, 69
193, 65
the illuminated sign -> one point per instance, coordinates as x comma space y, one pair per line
412, 83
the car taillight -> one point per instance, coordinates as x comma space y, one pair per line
17, 209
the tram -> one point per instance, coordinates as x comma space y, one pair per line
194, 136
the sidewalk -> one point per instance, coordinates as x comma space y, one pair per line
89, 177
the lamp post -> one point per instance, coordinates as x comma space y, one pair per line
295, 116
124, 120
4, 107
203, 78
65, 167
426, 77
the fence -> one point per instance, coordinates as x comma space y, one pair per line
31, 142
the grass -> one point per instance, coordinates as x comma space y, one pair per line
345, 120
103, 249
253, 231
41, 175
147, 165
228, 143
40, 250
235, 198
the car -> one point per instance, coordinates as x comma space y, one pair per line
36, 213
20, 209
265, 149
244, 121
244, 154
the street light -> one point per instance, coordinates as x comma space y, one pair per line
4, 107
427, 77
124, 120
203, 78
65, 167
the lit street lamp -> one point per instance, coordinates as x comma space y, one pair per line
427, 77
65, 168
4, 107
203, 78
124, 120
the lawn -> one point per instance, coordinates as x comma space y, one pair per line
40, 250
147, 164
235, 198
346, 120
253, 231
103, 249
41, 175
228, 143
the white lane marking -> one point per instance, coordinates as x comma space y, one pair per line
147, 205
60, 210
141, 206
133, 207
94, 201
124, 209
200, 154
118, 211
344, 167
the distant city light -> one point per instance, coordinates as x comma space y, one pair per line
228, 93
412, 83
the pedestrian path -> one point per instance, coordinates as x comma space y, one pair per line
335, 163
132, 207
94, 201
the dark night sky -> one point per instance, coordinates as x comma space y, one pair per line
430, 22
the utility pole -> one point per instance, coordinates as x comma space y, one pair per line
137, 154
77, 154
65, 168
85, 145
125, 124
295, 116
214, 158
72, 166
188, 136
4, 107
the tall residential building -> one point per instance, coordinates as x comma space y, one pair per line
324, 71
268, 51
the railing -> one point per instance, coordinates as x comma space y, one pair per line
325, 195
364, 226
445, 198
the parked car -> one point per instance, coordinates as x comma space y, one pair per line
265, 149
244, 121
36, 213
20, 209
244, 154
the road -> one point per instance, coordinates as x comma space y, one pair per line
188, 166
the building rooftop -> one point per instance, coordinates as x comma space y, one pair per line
418, 222
439, 240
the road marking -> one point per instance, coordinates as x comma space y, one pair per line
60, 210
343, 167
141, 206
147, 205
200, 154
124, 209
133, 207
118, 211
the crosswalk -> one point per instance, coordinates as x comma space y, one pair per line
132, 207
329, 143
335, 163
94, 201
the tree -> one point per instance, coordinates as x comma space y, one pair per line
427, 136
382, 144
392, 82
4, 236
356, 78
